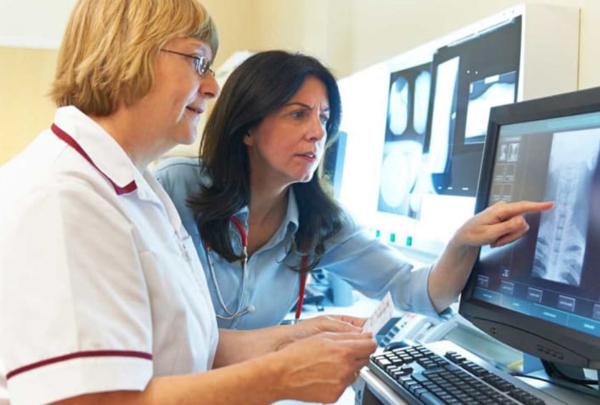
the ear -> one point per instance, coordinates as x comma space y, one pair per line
248, 139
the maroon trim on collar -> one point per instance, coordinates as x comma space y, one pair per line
73, 143
76, 355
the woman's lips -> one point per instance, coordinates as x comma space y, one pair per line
195, 110
311, 157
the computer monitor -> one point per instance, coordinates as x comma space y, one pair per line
333, 162
541, 293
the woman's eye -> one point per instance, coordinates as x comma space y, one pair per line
324, 119
298, 114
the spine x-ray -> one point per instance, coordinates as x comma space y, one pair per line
561, 242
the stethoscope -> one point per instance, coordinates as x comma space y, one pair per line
239, 311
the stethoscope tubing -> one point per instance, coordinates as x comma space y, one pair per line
231, 315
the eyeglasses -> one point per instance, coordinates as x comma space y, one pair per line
201, 63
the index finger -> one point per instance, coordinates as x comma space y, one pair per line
360, 343
347, 335
352, 320
510, 210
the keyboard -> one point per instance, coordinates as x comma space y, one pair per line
443, 373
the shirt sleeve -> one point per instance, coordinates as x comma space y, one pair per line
73, 300
181, 176
374, 268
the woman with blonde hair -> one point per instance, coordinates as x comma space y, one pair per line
102, 296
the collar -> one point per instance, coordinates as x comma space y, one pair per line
101, 151
291, 216
95, 145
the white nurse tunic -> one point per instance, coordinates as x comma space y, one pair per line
100, 286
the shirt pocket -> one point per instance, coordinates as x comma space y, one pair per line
182, 325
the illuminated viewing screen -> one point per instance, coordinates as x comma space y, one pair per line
408, 105
552, 272
469, 78
483, 95
444, 113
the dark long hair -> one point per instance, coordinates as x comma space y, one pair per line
258, 87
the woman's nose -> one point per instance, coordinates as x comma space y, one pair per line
209, 87
317, 130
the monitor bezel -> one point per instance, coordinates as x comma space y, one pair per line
543, 339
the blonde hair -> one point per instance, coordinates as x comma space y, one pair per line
109, 48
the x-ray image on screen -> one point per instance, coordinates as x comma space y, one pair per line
513, 152
444, 112
398, 107
408, 104
483, 95
421, 101
399, 171
468, 79
561, 244
503, 152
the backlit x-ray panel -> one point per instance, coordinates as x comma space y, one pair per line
408, 104
469, 78
398, 107
484, 94
399, 171
444, 113
465, 73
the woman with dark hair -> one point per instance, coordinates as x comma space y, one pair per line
261, 220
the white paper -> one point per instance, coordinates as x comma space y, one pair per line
382, 314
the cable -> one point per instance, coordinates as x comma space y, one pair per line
558, 383
551, 368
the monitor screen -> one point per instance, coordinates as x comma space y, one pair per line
333, 162
541, 294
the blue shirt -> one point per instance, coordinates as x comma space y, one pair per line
370, 266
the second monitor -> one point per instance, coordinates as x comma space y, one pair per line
541, 294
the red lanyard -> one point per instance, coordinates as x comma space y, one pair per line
303, 274
303, 265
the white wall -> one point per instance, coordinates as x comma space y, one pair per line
353, 34
33, 23
348, 35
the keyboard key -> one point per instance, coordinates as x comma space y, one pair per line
420, 391
405, 371
446, 398
430, 399
464, 397
420, 377
416, 389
